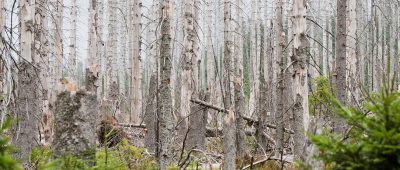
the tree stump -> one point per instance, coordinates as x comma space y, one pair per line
75, 120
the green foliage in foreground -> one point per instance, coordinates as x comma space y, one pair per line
374, 139
6, 159
122, 157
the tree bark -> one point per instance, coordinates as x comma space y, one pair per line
165, 119
75, 124
299, 59
135, 89
279, 115
238, 82
72, 42
188, 65
341, 63
150, 116
229, 124
27, 104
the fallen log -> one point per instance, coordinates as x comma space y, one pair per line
249, 120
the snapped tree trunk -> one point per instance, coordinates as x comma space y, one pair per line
75, 122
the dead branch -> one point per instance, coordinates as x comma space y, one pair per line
249, 120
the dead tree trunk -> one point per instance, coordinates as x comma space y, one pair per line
229, 126
75, 120
165, 119
150, 117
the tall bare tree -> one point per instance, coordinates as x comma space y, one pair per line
281, 78
135, 87
341, 63
229, 126
27, 104
165, 119
72, 42
300, 79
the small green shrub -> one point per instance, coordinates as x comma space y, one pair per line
7, 162
374, 139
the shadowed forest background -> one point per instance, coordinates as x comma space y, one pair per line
199, 84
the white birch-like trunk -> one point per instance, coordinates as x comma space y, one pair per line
353, 79
188, 62
300, 87
135, 88
58, 60
72, 42
111, 50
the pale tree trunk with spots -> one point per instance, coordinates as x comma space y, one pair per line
229, 122
300, 87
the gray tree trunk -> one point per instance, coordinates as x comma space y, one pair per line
75, 121
229, 126
150, 117
165, 119
341, 63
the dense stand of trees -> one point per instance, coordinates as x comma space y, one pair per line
188, 71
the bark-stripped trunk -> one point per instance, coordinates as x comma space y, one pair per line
188, 65
135, 88
72, 42
93, 65
122, 49
299, 59
165, 119
341, 65
252, 58
100, 57
279, 121
111, 52
41, 51
211, 64
58, 5
354, 80
229, 126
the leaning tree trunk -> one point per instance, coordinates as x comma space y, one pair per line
341, 65
299, 59
165, 119
229, 126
